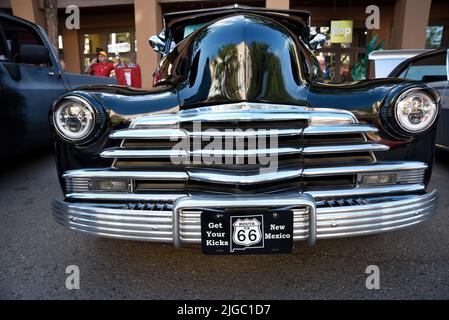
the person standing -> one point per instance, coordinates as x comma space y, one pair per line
100, 66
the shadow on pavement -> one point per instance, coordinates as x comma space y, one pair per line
20, 161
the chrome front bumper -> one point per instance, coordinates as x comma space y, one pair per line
181, 224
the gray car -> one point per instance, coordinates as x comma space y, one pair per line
433, 68
31, 78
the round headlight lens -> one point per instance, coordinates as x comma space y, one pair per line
74, 119
416, 112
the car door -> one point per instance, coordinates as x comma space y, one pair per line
27, 90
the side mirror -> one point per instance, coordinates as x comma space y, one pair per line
158, 43
34, 54
317, 41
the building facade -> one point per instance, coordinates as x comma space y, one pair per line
122, 27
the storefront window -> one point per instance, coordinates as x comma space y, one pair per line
119, 45
119, 42
338, 59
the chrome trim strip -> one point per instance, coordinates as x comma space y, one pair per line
366, 147
374, 168
162, 134
322, 194
240, 116
333, 117
247, 153
312, 226
440, 146
177, 134
107, 173
367, 191
125, 196
142, 154
339, 129
246, 111
245, 107
117, 153
405, 171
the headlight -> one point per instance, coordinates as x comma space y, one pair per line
74, 118
416, 111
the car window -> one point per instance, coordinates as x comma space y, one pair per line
17, 35
316, 72
188, 30
183, 32
432, 68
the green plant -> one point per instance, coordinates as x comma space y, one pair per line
358, 72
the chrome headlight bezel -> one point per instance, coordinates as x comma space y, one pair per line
427, 102
87, 108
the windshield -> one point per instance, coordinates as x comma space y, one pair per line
183, 32
429, 68
189, 29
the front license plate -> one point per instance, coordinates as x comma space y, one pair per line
238, 233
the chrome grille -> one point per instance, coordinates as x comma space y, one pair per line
77, 184
305, 138
324, 155
407, 177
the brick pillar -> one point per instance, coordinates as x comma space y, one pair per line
411, 18
29, 10
278, 4
72, 50
148, 18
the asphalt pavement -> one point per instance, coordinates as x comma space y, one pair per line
35, 252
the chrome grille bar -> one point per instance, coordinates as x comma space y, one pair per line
142, 154
328, 149
176, 134
318, 195
117, 153
341, 129
406, 172
107, 173
363, 147
245, 112
149, 122
366, 191
374, 168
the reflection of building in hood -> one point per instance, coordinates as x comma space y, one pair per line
231, 69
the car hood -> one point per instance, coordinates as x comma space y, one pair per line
241, 57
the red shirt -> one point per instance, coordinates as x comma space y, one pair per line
102, 69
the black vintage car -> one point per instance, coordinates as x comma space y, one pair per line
240, 147
31, 78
